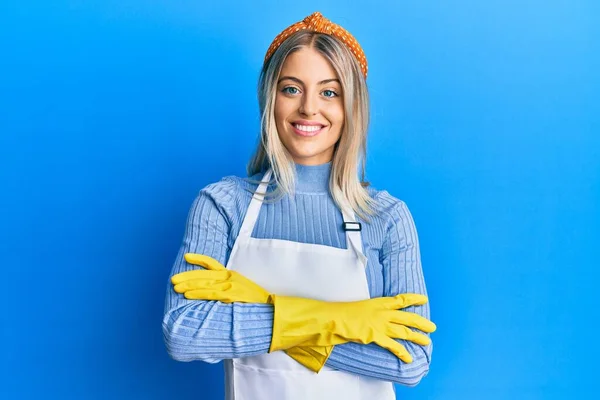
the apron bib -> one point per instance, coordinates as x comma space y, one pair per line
304, 270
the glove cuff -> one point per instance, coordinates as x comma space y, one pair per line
293, 324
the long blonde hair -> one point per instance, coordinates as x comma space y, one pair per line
349, 152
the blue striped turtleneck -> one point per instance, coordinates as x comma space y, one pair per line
212, 331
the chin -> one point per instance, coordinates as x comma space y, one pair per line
310, 151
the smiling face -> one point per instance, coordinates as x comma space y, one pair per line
309, 107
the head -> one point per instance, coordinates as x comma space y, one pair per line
313, 78
309, 107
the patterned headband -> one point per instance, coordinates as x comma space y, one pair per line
316, 22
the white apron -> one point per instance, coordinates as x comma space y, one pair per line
305, 270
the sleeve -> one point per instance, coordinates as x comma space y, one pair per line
401, 262
210, 330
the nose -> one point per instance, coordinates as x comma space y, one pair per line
308, 105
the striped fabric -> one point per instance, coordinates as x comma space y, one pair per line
212, 331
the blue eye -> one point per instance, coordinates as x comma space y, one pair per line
292, 90
284, 90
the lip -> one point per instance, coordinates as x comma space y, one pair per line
307, 134
307, 122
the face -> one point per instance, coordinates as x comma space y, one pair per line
309, 107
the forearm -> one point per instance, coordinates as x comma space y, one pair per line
376, 362
212, 331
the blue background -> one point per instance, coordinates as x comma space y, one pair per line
113, 115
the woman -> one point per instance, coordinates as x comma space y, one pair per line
323, 294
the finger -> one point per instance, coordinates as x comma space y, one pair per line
408, 299
195, 284
200, 274
405, 333
413, 320
204, 260
396, 348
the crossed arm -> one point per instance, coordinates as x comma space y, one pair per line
212, 331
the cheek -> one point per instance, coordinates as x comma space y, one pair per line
283, 108
336, 115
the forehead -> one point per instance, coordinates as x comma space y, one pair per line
308, 65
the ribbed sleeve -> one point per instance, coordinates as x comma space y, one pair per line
209, 330
402, 273
212, 331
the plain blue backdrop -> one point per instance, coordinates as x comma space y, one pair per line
114, 114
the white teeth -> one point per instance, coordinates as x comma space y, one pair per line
307, 128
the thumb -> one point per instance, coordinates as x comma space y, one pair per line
204, 261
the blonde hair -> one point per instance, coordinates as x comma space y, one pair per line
349, 152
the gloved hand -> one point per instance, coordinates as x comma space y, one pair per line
218, 283
307, 322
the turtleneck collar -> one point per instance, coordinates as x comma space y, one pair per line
312, 178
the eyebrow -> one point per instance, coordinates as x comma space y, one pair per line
302, 83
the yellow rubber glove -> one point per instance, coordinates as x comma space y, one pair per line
307, 322
218, 283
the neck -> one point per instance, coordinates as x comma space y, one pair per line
313, 178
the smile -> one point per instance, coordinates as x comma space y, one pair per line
307, 130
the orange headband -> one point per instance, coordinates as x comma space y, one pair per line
316, 22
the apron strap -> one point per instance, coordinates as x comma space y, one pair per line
353, 238
254, 207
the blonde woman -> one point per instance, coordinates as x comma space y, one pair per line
304, 279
